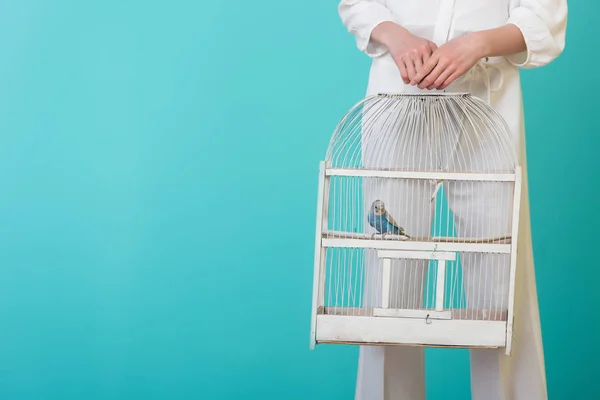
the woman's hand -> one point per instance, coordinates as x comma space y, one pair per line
449, 62
408, 51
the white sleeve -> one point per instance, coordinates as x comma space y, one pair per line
543, 24
360, 18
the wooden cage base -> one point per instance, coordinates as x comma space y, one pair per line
407, 345
410, 331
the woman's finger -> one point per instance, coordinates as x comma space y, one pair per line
428, 51
432, 76
418, 64
426, 56
437, 84
403, 71
425, 69
410, 69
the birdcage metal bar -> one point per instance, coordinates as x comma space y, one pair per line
386, 280
407, 313
455, 314
422, 94
513, 262
419, 246
319, 266
429, 175
441, 282
418, 255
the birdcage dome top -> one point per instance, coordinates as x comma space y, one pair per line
446, 132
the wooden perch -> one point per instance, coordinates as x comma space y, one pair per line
444, 239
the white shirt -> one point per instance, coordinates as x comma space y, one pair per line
542, 22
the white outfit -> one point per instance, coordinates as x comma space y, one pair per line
397, 373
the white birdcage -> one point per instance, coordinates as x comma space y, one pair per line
440, 272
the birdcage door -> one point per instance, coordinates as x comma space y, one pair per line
438, 312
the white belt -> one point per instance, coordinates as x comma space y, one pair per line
481, 74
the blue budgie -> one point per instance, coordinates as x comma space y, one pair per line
382, 221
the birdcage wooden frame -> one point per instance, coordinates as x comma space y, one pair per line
383, 325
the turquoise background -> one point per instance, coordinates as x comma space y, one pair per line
158, 171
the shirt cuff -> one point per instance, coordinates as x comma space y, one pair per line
363, 36
535, 33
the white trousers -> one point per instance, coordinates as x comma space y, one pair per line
398, 373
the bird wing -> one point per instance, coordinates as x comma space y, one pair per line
391, 220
